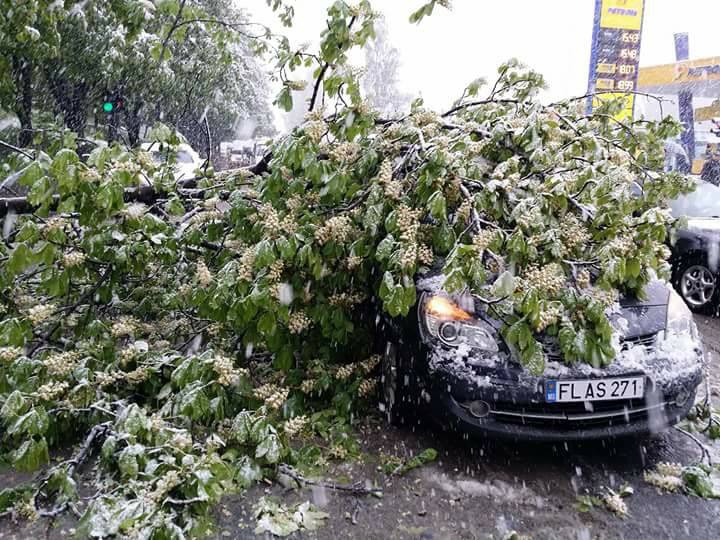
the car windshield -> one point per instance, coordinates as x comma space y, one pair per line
704, 202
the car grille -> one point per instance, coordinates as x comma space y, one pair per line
575, 415
553, 353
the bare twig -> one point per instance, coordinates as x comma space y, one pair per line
703, 448
356, 488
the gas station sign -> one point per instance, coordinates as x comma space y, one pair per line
615, 57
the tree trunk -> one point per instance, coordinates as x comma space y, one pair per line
133, 124
75, 109
22, 71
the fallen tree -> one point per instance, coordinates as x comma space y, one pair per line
196, 340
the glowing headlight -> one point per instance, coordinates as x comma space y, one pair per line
679, 318
454, 326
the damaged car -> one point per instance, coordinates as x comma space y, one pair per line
449, 356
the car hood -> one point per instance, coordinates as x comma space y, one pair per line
637, 317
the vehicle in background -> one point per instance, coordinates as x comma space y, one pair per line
696, 248
187, 160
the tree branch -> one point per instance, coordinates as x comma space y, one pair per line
15, 149
323, 72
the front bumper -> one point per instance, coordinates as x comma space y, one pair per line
514, 405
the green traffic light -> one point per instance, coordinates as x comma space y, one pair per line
107, 106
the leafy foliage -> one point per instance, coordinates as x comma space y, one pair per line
199, 334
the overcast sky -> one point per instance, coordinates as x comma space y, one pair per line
442, 54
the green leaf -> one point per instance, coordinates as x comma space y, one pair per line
504, 285
14, 406
438, 206
269, 448
31, 455
20, 258
284, 99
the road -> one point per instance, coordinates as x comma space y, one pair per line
478, 489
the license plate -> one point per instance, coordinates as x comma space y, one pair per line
559, 391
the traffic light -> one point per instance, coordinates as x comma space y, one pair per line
113, 104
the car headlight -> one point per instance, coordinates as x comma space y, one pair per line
679, 318
445, 320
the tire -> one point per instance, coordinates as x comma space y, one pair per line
697, 284
400, 393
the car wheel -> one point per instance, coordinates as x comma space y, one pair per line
399, 386
697, 285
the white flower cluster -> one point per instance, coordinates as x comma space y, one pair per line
265, 391
294, 203
55, 224
425, 255
10, 354
89, 175
103, 378
208, 216
549, 316
483, 239
73, 258
393, 189
169, 481
345, 372
298, 322
408, 256
583, 279
573, 232
276, 400
408, 223
203, 273
615, 503
276, 270
463, 211
345, 299
371, 363
246, 267
52, 390
137, 376
295, 425
315, 130
337, 228
228, 374
235, 245
62, 364
40, 313
345, 151
666, 476
124, 326
662, 252
622, 245
367, 387
270, 220
25, 510
423, 118
604, 298
353, 261
549, 278
308, 385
